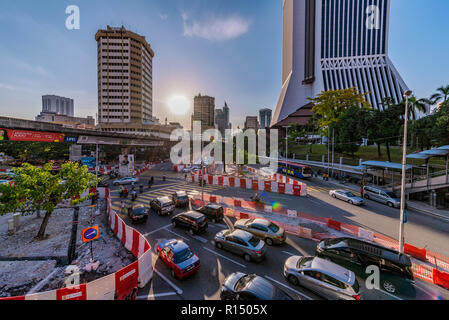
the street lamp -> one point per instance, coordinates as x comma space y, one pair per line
286, 142
407, 95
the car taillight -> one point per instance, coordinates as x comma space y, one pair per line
257, 251
356, 297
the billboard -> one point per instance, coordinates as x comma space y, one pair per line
126, 164
31, 136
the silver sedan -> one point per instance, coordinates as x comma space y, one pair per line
347, 196
241, 243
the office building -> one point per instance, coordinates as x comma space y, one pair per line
336, 44
58, 105
125, 81
204, 111
222, 119
265, 118
252, 123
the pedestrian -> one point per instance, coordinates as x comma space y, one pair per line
361, 192
122, 206
185, 177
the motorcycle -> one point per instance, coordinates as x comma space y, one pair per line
123, 193
164, 178
256, 199
133, 195
141, 188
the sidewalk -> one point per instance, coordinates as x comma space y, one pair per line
415, 205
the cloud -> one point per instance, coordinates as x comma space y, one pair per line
6, 86
163, 16
216, 28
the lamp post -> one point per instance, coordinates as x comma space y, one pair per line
407, 95
286, 142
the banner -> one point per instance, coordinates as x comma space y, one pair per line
32, 136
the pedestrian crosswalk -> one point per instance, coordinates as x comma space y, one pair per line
168, 190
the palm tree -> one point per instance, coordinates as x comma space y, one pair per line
416, 105
386, 103
442, 94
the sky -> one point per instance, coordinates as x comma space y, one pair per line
228, 49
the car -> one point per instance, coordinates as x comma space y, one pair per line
179, 258
193, 221
383, 196
163, 206
323, 277
180, 198
357, 255
126, 180
186, 170
347, 196
213, 212
241, 243
138, 213
263, 229
247, 287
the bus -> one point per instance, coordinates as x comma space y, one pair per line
295, 170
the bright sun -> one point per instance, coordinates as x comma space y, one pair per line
179, 105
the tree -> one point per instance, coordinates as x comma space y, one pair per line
330, 105
415, 105
441, 129
38, 189
441, 95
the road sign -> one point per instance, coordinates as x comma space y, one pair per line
405, 216
90, 234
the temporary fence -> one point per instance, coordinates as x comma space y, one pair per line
120, 285
421, 266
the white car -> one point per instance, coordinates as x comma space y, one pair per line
187, 170
126, 180
346, 196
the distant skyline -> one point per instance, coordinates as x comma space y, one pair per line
230, 50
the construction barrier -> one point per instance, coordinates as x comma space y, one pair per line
117, 286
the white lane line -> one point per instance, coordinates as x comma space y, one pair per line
151, 296
239, 264
177, 234
218, 226
154, 231
201, 239
284, 285
389, 294
290, 254
171, 284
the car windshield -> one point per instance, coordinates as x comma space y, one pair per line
305, 263
139, 211
350, 195
241, 284
182, 197
392, 195
273, 227
254, 241
183, 255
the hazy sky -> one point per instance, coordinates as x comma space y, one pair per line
229, 49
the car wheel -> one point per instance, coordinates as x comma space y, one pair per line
214, 220
191, 232
247, 257
350, 202
269, 241
390, 204
366, 196
389, 287
173, 273
174, 224
293, 280
219, 245
334, 196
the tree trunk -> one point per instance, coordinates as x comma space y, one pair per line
38, 216
388, 151
379, 151
41, 234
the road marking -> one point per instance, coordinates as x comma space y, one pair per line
389, 294
201, 239
151, 296
171, 284
177, 234
290, 254
229, 259
154, 231
288, 287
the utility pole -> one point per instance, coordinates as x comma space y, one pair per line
333, 148
96, 166
286, 142
407, 94
328, 149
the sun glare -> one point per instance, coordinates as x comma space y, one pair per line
179, 105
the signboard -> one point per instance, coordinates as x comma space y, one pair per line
126, 164
33, 136
88, 161
90, 234
71, 139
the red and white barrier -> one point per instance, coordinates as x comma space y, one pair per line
117, 286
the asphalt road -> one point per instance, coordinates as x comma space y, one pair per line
216, 264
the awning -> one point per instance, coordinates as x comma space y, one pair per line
386, 165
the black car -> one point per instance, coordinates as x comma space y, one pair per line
213, 212
357, 255
193, 221
162, 206
247, 287
138, 213
180, 198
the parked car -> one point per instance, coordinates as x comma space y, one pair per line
180, 198
138, 213
193, 221
395, 268
263, 229
247, 287
179, 258
213, 212
383, 196
187, 170
126, 180
241, 243
162, 206
347, 196
323, 277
